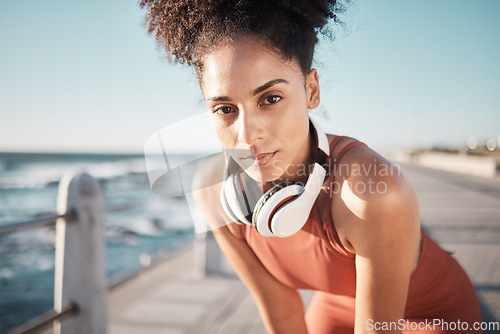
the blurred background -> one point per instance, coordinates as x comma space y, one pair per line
85, 77
82, 85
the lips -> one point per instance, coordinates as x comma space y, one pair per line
253, 160
262, 159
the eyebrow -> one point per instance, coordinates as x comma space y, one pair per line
256, 91
267, 85
219, 98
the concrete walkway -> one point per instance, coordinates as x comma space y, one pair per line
461, 212
172, 299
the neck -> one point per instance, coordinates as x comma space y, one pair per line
299, 171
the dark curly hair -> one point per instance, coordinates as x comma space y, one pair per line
188, 29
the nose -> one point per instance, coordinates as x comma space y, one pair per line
250, 129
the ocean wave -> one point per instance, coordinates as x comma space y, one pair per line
39, 175
42, 238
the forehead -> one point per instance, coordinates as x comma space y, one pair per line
245, 64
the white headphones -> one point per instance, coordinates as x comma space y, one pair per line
282, 210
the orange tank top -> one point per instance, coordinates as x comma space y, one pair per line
314, 259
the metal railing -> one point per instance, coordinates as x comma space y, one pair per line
34, 223
46, 319
80, 291
80, 283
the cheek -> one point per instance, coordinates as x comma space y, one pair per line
296, 127
225, 134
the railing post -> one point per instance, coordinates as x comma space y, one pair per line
213, 256
80, 270
209, 257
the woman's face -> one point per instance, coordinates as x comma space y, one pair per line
259, 104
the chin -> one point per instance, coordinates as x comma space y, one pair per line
264, 175
269, 173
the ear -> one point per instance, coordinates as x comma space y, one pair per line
312, 89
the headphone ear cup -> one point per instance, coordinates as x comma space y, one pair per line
226, 206
274, 199
239, 194
234, 196
266, 196
291, 218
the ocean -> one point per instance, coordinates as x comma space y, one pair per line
28, 188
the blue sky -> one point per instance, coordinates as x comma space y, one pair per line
85, 76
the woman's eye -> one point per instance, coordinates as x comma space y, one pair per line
271, 99
223, 110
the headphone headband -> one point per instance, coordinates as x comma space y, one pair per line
323, 145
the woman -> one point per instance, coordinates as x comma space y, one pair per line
359, 244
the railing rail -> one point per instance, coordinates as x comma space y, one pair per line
125, 276
45, 320
34, 223
126, 206
50, 219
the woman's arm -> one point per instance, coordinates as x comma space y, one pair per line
280, 306
381, 225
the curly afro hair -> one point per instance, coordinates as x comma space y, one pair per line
189, 29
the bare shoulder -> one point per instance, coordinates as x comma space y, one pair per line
371, 176
206, 185
371, 194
